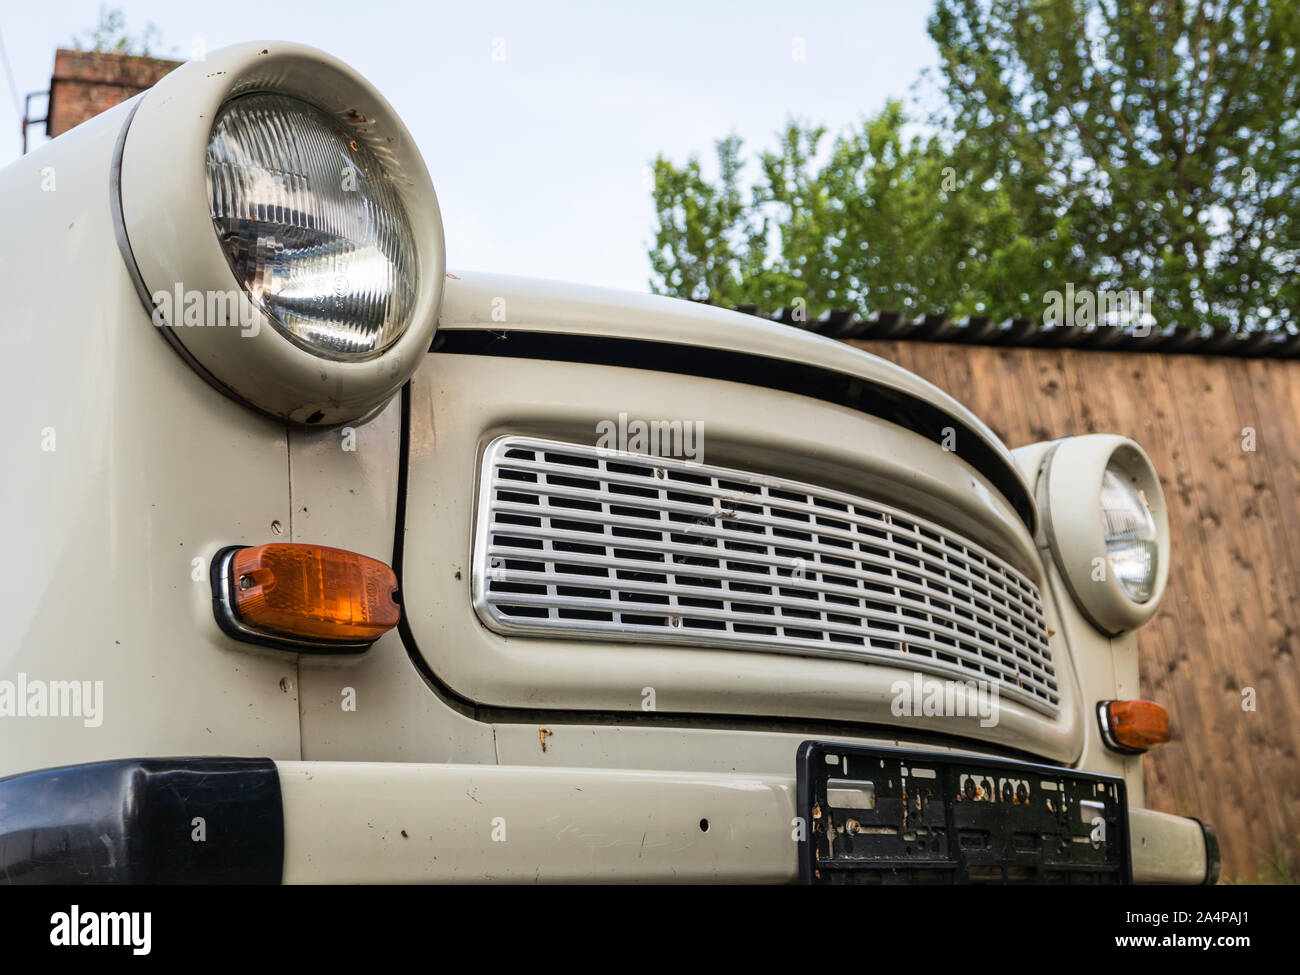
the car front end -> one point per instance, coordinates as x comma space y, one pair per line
649, 590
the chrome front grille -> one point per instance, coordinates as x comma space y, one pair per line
576, 541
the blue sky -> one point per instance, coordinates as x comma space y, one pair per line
540, 160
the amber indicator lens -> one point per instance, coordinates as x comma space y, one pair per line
311, 592
1137, 724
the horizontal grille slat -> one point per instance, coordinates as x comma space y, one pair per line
947, 619
700, 526
576, 541
980, 666
924, 587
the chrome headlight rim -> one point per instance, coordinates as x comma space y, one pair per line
1070, 499
168, 237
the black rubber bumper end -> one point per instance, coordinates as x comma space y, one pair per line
144, 821
1212, 860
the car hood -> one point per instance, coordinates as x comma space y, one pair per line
516, 316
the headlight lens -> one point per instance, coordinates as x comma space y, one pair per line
312, 226
1131, 544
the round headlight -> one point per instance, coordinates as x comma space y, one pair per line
281, 229
312, 226
1131, 543
1106, 523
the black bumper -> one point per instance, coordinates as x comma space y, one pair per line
144, 821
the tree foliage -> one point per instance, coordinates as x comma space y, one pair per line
1121, 146
110, 34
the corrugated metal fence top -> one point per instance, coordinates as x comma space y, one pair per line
1026, 332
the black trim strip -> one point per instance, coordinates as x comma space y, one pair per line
828, 385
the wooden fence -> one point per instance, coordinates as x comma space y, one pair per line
1229, 626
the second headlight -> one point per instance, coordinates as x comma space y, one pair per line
1105, 521
1132, 548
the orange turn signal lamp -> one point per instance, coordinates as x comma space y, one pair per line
307, 598
1133, 726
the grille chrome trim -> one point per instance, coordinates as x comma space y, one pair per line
586, 543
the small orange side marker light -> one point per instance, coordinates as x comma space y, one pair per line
314, 593
1133, 725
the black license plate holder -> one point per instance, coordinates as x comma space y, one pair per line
898, 816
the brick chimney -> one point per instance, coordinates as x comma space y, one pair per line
86, 83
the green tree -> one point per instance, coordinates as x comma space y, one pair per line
110, 35
1145, 145
885, 222
1168, 131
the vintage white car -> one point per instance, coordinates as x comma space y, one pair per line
328, 565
